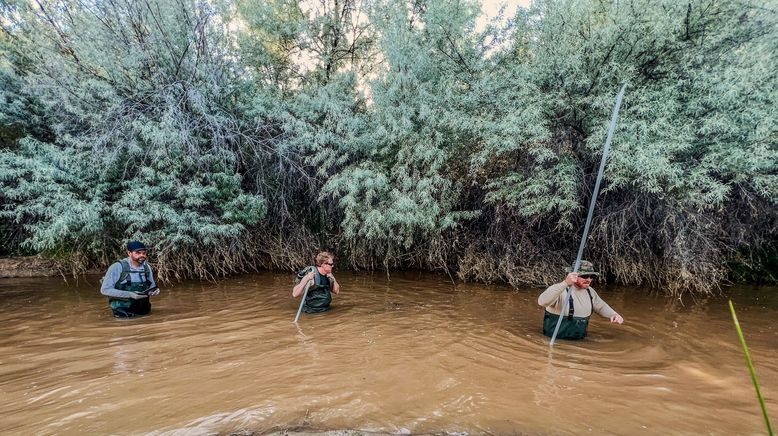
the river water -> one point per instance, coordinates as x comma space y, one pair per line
412, 353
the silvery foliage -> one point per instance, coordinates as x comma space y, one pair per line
692, 171
392, 128
137, 97
396, 189
698, 122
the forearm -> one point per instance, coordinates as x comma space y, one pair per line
109, 282
551, 295
604, 310
300, 287
116, 293
335, 286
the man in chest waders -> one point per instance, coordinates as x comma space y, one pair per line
583, 300
323, 284
129, 283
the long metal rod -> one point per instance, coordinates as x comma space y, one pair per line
302, 302
605, 151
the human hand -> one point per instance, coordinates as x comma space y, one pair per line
617, 319
310, 276
152, 291
571, 279
137, 296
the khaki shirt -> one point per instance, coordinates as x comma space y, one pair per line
553, 299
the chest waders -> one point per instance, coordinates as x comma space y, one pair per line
573, 327
319, 294
126, 307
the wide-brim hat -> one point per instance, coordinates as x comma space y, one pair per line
585, 269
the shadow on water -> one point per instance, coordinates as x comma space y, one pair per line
410, 354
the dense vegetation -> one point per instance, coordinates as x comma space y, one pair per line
233, 135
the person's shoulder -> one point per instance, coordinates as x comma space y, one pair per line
303, 272
114, 270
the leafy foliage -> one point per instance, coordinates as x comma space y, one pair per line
145, 146
396, 133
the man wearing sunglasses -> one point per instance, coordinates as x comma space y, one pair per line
323, 284
582, 301
129, 283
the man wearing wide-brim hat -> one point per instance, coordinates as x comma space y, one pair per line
582, 301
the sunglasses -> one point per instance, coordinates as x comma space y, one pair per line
329, 263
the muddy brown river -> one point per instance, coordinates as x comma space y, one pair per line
409, 354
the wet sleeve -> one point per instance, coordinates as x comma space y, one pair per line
600, 306
550, 296
110, 279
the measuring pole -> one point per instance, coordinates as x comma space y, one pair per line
605, 151
302, 302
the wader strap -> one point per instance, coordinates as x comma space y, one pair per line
591, 301
316, 276
570, 302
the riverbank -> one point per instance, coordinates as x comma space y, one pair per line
37, 266
28, 266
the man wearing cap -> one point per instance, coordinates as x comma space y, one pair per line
129, 283
582, 301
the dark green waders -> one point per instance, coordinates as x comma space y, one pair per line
319, 295
573, 327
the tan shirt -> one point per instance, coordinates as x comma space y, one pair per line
553, 299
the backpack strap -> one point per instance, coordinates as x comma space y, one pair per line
316, 276
147, 274
125, 272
